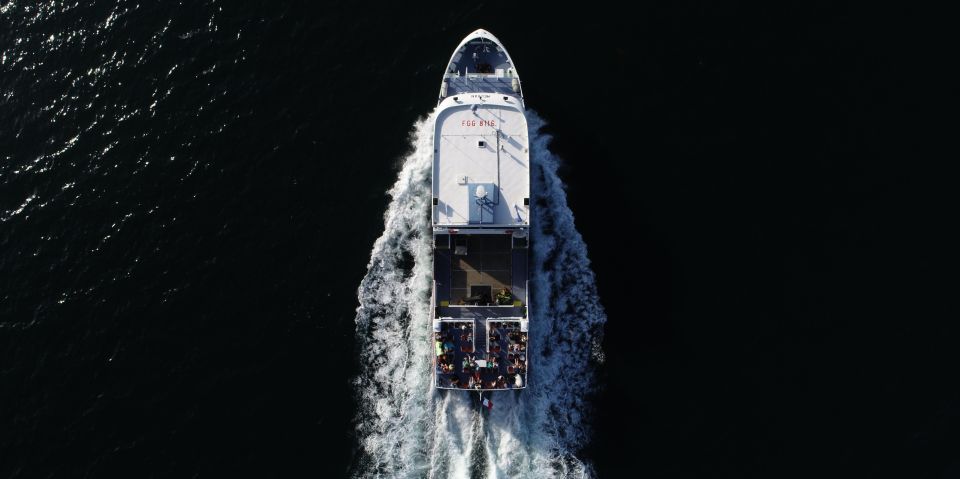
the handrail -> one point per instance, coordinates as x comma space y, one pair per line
526, 293
431, 317
480, 306
507, 75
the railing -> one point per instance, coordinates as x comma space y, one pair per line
506, 74
525, 328
430, 319
480, 83
528, 313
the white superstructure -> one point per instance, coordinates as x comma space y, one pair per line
481, 142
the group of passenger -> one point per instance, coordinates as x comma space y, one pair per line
443, 343
446, 342
517, 363
475, 381
516, 340
476, 374
515, 360
445, 363
518, 345
469, 363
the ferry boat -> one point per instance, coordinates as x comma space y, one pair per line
480, 305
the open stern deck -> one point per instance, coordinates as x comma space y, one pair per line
480, 311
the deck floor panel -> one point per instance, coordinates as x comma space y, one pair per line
441, 274
488, 262
519, 274
481, 312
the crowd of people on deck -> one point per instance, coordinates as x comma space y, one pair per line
476, 370
516, 346
446, 343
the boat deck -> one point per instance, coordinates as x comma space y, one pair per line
487, 261
479, 344
482, 354
480, 215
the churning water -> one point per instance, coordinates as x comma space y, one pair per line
407, 428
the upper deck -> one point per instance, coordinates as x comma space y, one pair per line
481, 164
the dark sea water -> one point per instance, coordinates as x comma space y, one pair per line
190, 192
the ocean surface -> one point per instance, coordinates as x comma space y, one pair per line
213, 243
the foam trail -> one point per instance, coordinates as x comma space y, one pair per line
408, 429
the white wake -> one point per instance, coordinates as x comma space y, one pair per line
408, 429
